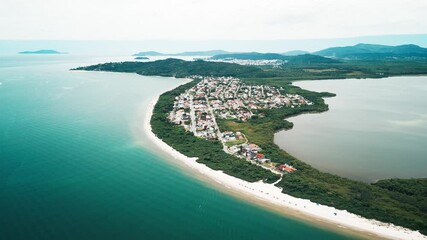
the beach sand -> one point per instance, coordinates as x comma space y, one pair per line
271, 197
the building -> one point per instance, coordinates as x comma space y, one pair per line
286, 168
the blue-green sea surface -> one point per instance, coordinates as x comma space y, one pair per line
73, 165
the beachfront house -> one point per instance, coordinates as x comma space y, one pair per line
286, 168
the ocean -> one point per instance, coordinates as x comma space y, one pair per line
74, 164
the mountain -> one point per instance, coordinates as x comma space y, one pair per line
193, 53
44, 51
295, 53
374, 52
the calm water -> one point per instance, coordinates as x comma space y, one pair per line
72, 165
375, 129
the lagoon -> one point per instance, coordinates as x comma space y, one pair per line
375, 129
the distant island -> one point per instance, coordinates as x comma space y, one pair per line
43, 51
141, 58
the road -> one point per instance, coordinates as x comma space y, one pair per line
192, 116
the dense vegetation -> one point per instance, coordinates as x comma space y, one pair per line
180, 68
402, 202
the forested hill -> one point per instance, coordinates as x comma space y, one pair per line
375, 52
180, 68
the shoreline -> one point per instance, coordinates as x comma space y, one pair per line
272, 197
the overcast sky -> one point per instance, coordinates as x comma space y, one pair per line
208, 19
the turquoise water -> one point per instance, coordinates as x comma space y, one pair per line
375, 129
73, 164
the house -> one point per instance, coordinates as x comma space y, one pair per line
228, 136
260, 158
286, 168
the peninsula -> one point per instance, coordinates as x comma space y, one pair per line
231, 111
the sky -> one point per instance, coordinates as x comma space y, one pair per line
208, 19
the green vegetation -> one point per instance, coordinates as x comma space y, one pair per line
397, 201
180, 68
236, 142
375, 52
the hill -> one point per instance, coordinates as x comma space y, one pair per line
374, 52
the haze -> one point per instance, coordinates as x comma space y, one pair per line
208, 19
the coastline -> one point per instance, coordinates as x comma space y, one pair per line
272, 197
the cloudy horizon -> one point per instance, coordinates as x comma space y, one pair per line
208, 20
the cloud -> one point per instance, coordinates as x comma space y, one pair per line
208, 19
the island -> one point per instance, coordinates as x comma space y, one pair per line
44, 51
225, 119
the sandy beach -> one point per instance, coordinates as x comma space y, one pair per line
273, 196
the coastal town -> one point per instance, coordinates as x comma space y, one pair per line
197, 109
250, 62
